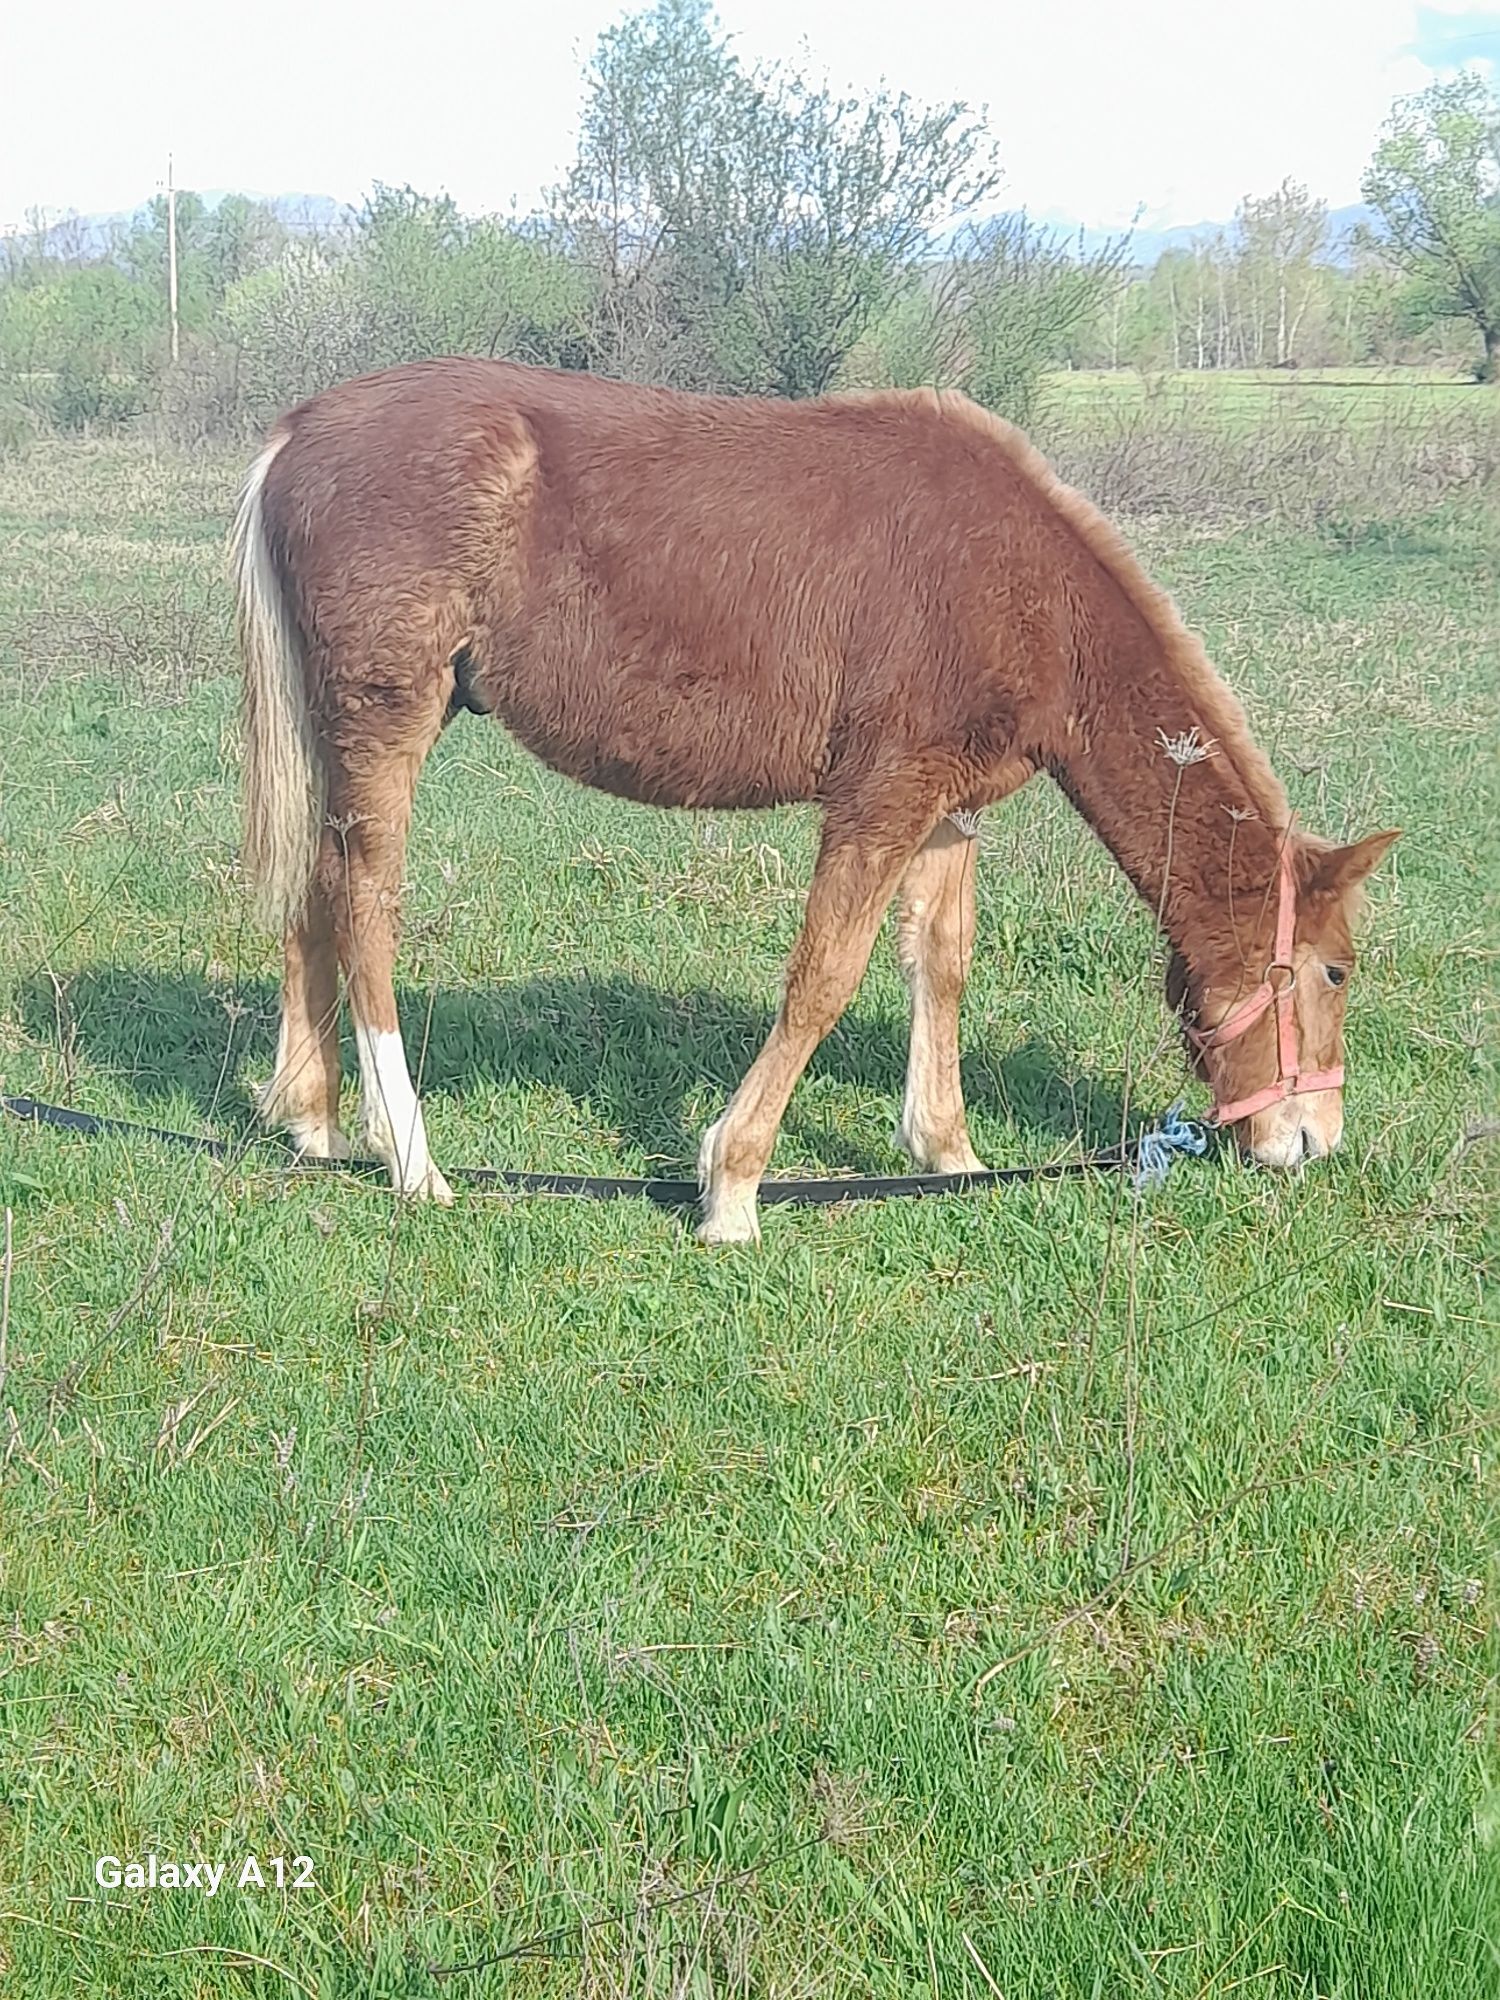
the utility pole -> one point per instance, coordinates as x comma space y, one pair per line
172, 255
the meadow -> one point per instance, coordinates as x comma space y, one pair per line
1062, 1591
1236, 397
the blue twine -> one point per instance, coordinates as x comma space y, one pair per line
1161, 1145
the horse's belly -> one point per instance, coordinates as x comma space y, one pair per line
669, 739
672, 769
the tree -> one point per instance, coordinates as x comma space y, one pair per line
81, 344
853, 191
752, 224
1281, 240
1022, 293
1435, 183
240, 237
143, 253
651, 181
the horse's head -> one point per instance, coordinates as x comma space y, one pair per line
1266, 1025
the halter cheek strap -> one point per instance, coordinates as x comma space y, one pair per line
1291, 1079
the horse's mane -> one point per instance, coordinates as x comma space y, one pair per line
1222, 719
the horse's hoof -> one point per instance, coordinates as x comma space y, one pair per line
730, 1219
931, 1159
428, 1185
267, 1100
728, 1213
321, 1142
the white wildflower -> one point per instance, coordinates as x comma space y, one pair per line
1187, 748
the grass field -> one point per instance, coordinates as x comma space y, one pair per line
1053, 1593
1247, 396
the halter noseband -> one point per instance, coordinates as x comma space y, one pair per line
1290, 1080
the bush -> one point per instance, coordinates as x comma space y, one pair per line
85, 398
413, 280
991, 318
19, 424
85, 343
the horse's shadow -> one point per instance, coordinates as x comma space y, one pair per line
643, 1062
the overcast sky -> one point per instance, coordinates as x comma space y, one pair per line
1101, 107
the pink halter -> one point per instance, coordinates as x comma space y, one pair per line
1290, 1080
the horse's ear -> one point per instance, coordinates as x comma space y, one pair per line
1337, 870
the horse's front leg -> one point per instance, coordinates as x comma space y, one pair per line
935, 939
864, 850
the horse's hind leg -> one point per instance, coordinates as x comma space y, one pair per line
369, 809
303, 1093
936, 942
859, 864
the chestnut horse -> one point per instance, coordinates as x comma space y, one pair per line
887, 605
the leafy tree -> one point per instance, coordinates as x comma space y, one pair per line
855, 191
143, 254
653, 205
429, 280
753, 224
240, 236
216, 248
1435, 183
919, 341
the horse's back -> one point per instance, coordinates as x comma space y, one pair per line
688, 600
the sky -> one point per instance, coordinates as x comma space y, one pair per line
1175, 109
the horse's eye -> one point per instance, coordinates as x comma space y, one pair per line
1336, 974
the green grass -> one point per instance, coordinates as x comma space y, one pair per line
1054, 1593
1243, 397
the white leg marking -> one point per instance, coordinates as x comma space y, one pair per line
729, 1213
393, 1125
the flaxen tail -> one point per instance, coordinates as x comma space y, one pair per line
284, 783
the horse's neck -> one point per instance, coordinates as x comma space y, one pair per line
1198, 835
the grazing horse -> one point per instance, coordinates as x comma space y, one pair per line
887, 605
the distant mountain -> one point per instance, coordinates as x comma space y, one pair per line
302, 214
305, 214
1147, 244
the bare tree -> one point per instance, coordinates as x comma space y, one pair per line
1281, 239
